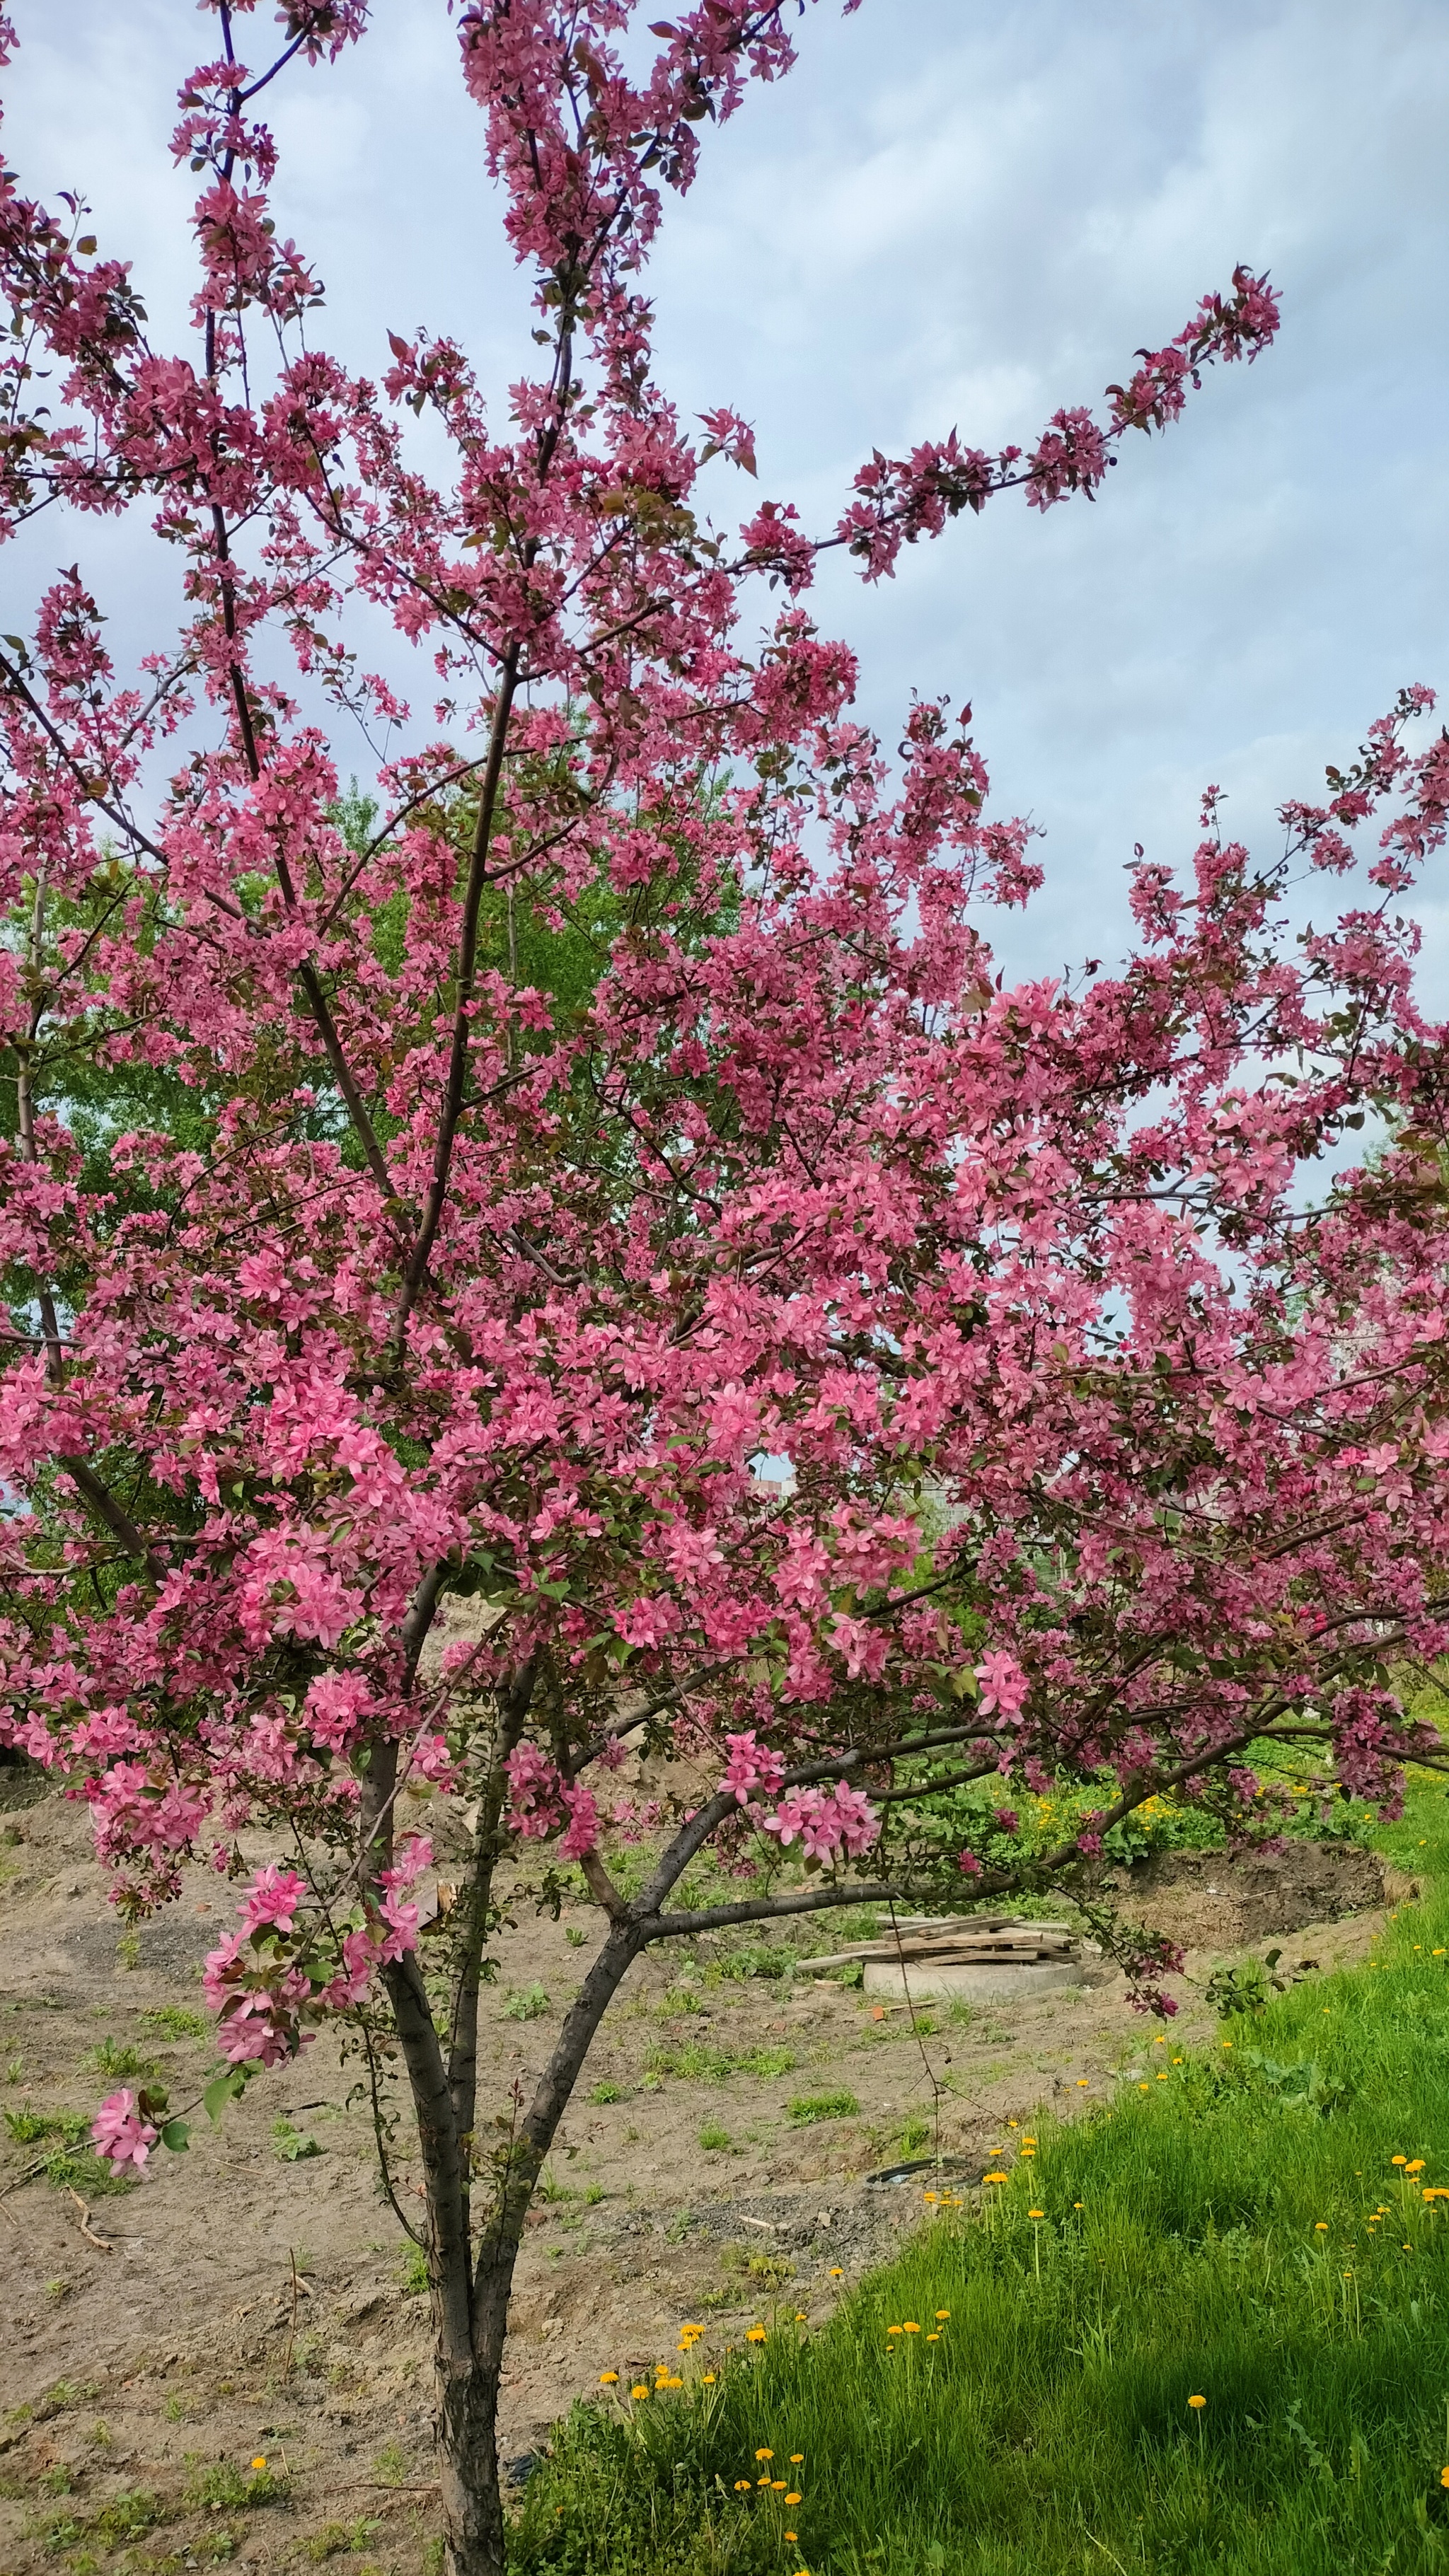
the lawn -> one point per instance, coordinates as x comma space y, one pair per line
1255, 2227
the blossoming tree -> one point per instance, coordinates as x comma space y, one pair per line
466, 1201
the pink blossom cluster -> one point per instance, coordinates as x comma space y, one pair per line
826, 1822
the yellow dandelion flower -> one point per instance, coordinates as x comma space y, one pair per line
934, 2338
707, 2380
1142, 2088
639, 2391
764, 2455
793, 2498
756, 2334
743, 2486
797, 2459
608, 2379
792, 2535
1083, 2083
941, 2315
1444, 2477
1416, 2165
1321, 2227
1197, 2401
1036, 2213
837, 2272
260, 2461
993, 2177
1398, 2160
777, 2486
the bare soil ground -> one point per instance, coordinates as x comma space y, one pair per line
152, 2344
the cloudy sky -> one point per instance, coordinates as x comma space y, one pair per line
949, 215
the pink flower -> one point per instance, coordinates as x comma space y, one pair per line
752, 1770
273, 1897
1003, 1684
119, 2132
583, 1828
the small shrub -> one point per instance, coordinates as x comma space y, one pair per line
605, 2093
715, 2139
807, 2108
526, 2004
574, 1936
390, 2468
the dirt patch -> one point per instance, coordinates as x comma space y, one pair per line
1209, 1900
684, 2186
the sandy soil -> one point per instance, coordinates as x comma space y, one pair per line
162, 2360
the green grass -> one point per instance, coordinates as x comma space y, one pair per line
1209, 2235
807, 2108
695, 2063
177, 2021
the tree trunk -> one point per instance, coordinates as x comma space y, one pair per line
471, 2293
467, 2433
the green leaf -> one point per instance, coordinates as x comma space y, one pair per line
226, 2087
176, 2135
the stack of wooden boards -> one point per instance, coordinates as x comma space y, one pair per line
928, 1957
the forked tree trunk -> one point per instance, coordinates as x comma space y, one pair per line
471, 2287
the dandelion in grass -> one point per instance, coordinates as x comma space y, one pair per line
260, 2461
708, 2379
837, 2272
744, 2486
794, 2497
1398, 2160
1320, 2227
1444, 2477
1197, 2402
941, 2315
756, 2334
933, 2338
639, 2391
764, 2455
1415, 2165
797, 2459
792, 2535
608, 2379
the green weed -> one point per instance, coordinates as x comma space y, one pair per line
807, 2108
26, 2126
177, 2021
113, 2058
526, 2004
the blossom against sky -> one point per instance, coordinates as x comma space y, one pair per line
948, 215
